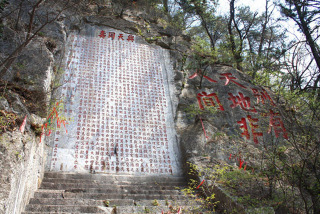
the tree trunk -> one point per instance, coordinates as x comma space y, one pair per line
262, 39
200, 13
236, 53
165, 5
204, 25
306, 31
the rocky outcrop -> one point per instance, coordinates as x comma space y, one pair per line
22, 168
223, 119
219, 110
32, 72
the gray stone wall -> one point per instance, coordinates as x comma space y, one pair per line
22, 166
152, 90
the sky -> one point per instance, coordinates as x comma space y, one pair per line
259, 6
255, 5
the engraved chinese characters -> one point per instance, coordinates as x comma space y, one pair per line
115, 92
249, 123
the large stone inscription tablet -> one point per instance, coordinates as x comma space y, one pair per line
116, 93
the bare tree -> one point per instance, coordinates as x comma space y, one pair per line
306, 14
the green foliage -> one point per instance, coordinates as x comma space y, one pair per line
202, 55
298, 160
144, 35
18, 155
224, 54
258, 42
234, 177
155, 202
178, 21
193, 110
106, 203
59, 73
41, 34
248, 188
211, 174
218, 135
202, 52
282, 149
36, 129
153, 39
248, 201
56, 118
146, 210
164, 23
8, 121
3, 3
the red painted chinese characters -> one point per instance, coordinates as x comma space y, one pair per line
112, 35
253, 126
249, 124
102, 34
262, 96
276, 124
208, 101
229, 78
199, 73
242, 101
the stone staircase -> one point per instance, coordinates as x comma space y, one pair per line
109, 193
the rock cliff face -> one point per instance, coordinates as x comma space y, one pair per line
220, 110
22, 167
224, 119
220, 115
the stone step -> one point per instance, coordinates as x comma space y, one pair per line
84, 184
116, 190
116, 209
167, 203
113, 194
157, 209
65, 208
111, 212
111, 202
112, 177
81, 202
104, 196
105, 182
52, 185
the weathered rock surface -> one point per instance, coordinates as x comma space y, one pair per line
4, 105
233, 125
21, 161
32, 70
